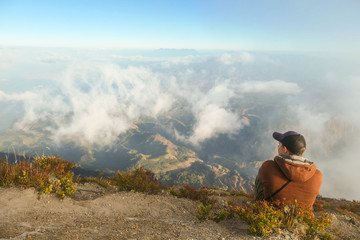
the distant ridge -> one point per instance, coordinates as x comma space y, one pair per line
12, 158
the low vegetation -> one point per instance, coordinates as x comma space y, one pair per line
342, 206
266, 218
48, 174
138, 179
51, 174
186, 191
103, 182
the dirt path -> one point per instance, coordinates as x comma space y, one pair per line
96, 213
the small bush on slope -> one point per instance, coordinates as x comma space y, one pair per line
48, 174
138, 179
51, 174
186, 191
103, 182
266, 218
7, 173
341, 206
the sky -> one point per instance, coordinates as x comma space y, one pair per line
279, 25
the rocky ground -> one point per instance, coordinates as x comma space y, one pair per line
97, 213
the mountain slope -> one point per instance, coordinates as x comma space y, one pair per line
97, 213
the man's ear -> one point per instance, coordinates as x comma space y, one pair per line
286, 150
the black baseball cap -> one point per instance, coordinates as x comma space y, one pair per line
292, 140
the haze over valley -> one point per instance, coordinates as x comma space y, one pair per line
191, 116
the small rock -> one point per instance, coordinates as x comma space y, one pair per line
352, 221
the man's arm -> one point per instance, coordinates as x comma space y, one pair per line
258, 189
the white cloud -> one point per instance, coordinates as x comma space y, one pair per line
214, 120
131, 58
270, 87
94, 104
212, 114
228, 59
7, 59
52, 59
17, 96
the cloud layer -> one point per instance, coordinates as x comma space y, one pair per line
92, 97
93, 102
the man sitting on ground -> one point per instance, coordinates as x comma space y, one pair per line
289, 176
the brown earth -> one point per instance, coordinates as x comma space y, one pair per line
97, 213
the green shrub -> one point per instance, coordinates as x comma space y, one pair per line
64, 186
240, 193
341, 206
106, 183
203, 211
7, 173
48, 174
265, 218
262, 217
138, 179
221, 215
187, 191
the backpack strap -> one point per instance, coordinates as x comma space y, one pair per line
277, 191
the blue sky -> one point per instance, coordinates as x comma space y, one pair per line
227, 25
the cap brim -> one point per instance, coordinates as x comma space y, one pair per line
277, 136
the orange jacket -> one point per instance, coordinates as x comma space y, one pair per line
305, 181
